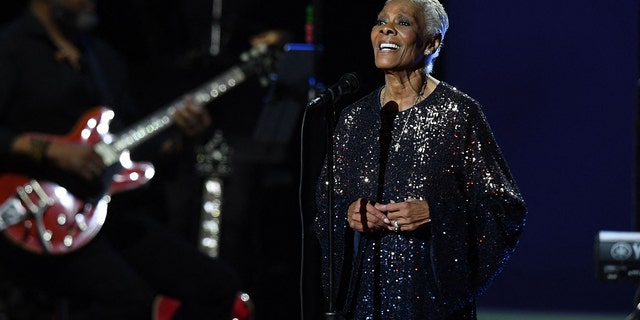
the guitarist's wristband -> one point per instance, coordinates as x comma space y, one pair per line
39, 148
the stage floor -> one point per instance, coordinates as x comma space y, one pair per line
537, 315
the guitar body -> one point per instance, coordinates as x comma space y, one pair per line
51, 213
48, 217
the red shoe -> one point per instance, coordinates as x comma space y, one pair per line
164, 307
242, 307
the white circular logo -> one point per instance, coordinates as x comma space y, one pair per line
621, 251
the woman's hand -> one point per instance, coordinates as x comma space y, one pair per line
363, 216
406, 216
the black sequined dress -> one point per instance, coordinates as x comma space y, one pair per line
446, 155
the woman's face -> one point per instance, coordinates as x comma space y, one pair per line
397, 36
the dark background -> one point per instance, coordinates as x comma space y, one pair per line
559, 84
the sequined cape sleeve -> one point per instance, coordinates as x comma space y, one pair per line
474, 235
450, 159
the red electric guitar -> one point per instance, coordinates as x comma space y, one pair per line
48, 216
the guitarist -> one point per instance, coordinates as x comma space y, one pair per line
51, 72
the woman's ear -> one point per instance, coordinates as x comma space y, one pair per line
434, 45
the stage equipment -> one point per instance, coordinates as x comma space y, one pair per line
617, 255
212, 163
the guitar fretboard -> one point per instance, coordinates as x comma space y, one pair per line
255, 59
163, 118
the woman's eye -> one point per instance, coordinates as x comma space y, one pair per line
380, 22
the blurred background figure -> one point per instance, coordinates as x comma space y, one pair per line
173, 47
52, 72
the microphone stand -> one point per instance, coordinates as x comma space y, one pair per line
330, 118
348, 83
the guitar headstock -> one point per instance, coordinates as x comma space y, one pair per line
260, 61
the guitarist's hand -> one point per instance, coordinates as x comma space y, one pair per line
193, 118
75, 158
271, 38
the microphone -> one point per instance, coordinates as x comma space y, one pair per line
348, 83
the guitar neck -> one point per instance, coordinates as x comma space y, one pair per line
255, 62
164, 117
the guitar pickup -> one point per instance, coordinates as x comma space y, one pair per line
11, 212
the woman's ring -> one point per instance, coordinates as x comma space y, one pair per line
396, 226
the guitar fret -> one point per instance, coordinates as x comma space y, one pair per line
227, 81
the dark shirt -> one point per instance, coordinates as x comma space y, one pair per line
133, 259
39, 92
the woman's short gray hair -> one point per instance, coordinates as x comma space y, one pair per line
437, 23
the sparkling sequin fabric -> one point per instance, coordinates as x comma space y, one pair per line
448, 156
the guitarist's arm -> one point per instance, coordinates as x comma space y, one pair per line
81, 159
78, 159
